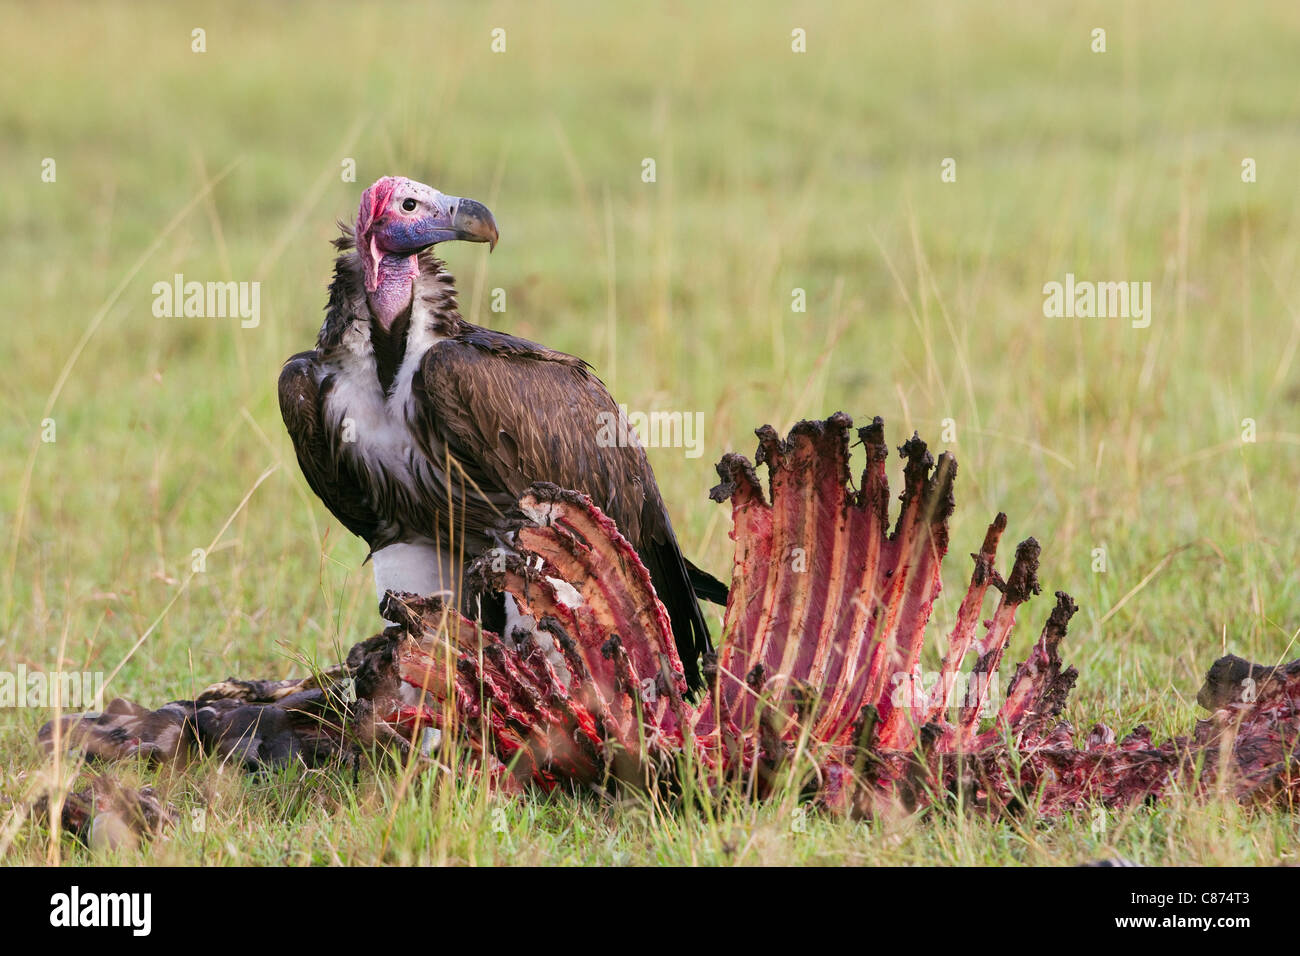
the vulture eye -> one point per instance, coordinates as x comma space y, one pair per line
409, 205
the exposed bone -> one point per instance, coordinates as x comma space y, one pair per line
823, 632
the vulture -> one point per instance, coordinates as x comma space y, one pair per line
420, 431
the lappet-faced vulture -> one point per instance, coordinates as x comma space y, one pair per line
419, 430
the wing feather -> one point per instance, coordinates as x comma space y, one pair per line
327, 473
512, 412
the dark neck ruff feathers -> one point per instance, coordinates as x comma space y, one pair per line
435, 298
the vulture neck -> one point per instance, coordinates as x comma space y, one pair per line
397, 304
392, 295
390, 315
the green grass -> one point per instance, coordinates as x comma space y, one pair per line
775, 170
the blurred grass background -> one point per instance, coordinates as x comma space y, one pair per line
775, 171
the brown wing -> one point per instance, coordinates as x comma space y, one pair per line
302, 393
512, 412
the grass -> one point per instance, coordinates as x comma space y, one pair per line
774, 171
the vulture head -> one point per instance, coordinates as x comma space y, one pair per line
400, 218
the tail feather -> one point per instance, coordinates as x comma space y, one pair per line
705, 585
670, 573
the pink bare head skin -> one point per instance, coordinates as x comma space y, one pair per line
397, 220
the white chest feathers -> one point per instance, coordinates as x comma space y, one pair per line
374, 428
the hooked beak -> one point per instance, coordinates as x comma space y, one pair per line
473, 222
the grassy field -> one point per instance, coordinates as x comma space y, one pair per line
775, 171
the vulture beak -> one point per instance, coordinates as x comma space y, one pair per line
472, 222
